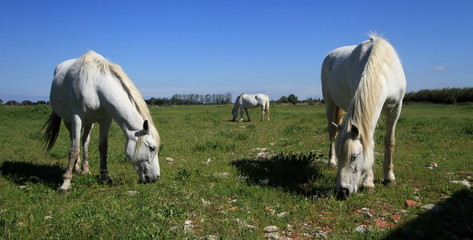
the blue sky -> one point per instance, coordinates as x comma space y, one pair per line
268, 46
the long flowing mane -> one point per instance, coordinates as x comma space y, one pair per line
363, 109
107, 68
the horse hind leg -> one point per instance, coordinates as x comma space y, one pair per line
85, 148
77, 161
334, 115
74, 130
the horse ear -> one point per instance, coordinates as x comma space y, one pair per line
355, 131
146, 127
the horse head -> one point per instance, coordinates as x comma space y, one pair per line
142, 150
235, 112
351, 160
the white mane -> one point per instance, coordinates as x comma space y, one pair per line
372, 84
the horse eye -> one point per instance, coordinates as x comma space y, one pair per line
353, 157
152, 149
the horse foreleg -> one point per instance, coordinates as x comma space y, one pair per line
389, 143
248, 115
103, 150
85, 148
368, 176
74, 130
241, 114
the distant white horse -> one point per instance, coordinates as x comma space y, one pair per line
362, 80
91, 89
245, 101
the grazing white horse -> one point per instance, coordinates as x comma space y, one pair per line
363, 81
91, 89
245, 101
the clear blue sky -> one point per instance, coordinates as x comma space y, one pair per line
196, 46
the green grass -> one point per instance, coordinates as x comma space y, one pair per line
221, 197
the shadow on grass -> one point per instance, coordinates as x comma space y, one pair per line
451, 219
294, 173
23, 172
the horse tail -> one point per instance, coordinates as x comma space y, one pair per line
52, 126
267, 109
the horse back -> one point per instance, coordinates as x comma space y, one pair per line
71, 92
340, 76
343, 68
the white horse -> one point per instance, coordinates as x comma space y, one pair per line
363, 81
91, 89
245, 101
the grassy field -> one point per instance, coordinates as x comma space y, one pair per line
230, 180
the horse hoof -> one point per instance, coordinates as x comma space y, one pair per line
107, 180
62, 191
387, 182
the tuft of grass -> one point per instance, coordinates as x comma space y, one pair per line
468, 128
213, 145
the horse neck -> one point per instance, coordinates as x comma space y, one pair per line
121, 109
237, 104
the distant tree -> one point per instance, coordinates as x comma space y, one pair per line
282, 99
27, 103
292, 99
228, 98
12, 103
41, 102
1, 101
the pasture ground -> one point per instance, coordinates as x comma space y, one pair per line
230, 180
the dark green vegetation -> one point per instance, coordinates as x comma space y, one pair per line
444, 95
230, 180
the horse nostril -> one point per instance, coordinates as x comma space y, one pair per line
343, 194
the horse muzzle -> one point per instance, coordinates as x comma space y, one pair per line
148, 179
343, 194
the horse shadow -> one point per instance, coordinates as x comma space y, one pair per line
293, 173
21, 173
451, 218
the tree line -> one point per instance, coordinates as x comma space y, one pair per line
192, 99
443, 96
23, 103
438, 96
